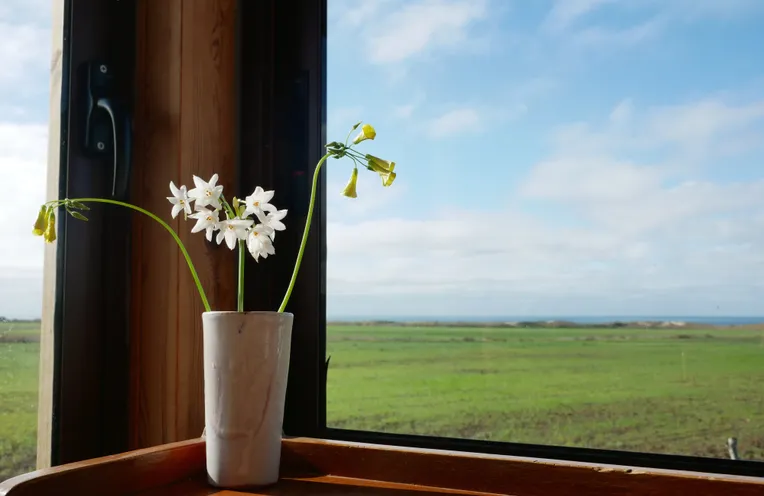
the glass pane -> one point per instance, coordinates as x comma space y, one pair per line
572, 252
24, 56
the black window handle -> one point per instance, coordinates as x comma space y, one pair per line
107, 127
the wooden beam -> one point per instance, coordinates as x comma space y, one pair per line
185, 125
47, 340
355, 468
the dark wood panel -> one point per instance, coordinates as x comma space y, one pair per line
156, 258
312, 466
208, 138
185, 126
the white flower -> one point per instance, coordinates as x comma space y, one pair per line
206, 193
257, 202
179, 200
233, 229
273, 220
258, 242
205, 219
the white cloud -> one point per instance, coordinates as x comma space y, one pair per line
341, 119
646, 19
454, 122
395, 31
25, 44
622, 229
23, 170
565, 12
24, 54
404, 111
373, 199
613, 38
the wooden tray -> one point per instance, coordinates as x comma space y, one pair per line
320, 467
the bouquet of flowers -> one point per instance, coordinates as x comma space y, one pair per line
248, 224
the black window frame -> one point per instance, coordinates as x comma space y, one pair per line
90, 317
282, 64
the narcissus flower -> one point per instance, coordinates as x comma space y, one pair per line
180, 200
252, 221
367, 132
273, 221
383, 167
206, 193
257, 202
258, 242
349, 190
232, 230
205, 220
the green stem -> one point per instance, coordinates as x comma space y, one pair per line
241, 275
169, 229
305, 233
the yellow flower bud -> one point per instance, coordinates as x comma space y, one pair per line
367, 132
50, 230
349, 190
42, 222
387, 179
382, 167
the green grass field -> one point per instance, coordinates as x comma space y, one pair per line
659, 390
19, 359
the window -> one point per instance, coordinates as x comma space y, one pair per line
24, 54
553, 165
571, 254
63, 373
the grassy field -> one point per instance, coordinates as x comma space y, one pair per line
656, 390
660, 390
19, 358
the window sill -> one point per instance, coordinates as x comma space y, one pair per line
314, 466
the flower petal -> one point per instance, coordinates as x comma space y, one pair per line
175, 191
230, 238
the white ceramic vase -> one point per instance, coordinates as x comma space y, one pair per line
246, 364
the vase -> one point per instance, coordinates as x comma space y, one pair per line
246, 364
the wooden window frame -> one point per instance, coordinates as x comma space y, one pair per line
82, 409
281, 124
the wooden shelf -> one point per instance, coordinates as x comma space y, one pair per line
314, 466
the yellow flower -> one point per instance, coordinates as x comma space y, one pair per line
384, 168
349, 190
50, 230
367, 132
42, 222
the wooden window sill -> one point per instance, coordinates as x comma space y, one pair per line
314, 466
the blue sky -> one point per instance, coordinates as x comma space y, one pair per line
555, 157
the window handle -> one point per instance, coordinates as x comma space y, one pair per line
107, 127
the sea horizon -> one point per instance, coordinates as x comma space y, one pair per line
577, 319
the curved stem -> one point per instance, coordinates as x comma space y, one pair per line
305, 233
167, 227
240, 306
